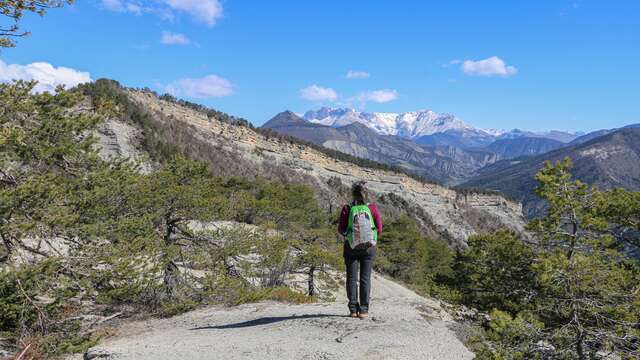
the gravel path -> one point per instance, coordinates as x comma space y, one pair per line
403, 325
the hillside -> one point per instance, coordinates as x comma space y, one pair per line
462, 138
443, 164
598, 133
236, 150
524, 146
608, 162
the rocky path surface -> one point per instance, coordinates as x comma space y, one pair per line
403, 325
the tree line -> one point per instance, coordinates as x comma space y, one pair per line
570, 289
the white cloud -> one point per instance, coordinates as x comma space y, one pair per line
318, 93
206, 11
379, 96
114, 5
201, 88
493, 66
48, 76
170, 38
352, 74
135, 8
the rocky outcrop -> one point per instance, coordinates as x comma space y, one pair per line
115, 138
444, 207
119, 139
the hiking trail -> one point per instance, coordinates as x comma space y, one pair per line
402, 325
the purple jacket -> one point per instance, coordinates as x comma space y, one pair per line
344, 219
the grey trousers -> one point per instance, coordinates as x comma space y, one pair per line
359, 261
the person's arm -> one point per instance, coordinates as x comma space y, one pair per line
344, 221
376, 217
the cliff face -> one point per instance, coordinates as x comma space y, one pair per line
441, 209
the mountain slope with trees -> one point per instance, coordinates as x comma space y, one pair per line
610, 161
524, 146
84, 236
88, 237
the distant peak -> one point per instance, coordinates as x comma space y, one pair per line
284, 118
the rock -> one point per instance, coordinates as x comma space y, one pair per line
97, 354
4, 353
278, 331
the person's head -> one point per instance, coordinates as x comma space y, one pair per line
359, 193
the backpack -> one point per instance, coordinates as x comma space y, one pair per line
361, 229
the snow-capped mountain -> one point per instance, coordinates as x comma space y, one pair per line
427, 127
409, 125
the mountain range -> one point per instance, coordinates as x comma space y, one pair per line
427, 127
443, 164
444, 149
438, 147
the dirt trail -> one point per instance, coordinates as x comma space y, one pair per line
403, 325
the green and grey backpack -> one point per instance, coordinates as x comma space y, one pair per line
361, 229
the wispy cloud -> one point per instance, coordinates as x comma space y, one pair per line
114, 5
48, 76
207, 12
201, 88
493, 66
452, 62
378, 96
318, 93
352, 74
170, 38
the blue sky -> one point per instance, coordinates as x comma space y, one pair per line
538, 65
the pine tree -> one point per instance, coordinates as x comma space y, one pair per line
14, 10
590, 292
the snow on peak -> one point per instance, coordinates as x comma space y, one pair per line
495, 132
409, 125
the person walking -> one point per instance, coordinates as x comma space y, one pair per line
360, 225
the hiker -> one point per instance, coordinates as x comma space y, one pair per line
360, 225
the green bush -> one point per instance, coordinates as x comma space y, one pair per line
21, 296
406, 254
495, 272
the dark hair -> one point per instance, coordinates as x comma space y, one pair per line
359, 193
